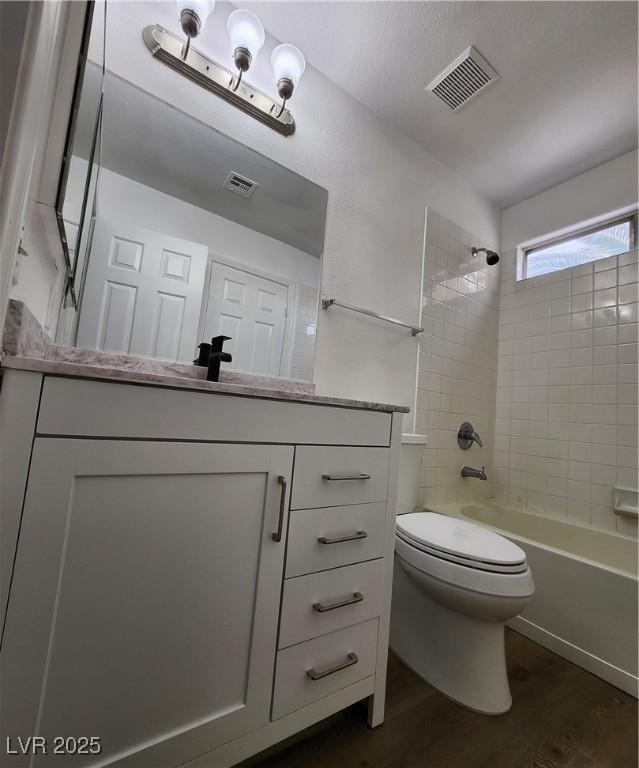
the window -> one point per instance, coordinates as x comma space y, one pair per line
600, 242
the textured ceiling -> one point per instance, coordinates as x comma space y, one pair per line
566, 100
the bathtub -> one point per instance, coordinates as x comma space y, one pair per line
585, 603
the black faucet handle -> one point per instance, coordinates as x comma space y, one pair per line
217, 342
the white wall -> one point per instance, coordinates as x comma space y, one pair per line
378, 185
606, 188
566, 419
13, 20
458, 362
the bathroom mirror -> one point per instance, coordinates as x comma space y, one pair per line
196, 235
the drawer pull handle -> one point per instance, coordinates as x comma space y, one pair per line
340, 539
350, 660
358, 476
277, 535
323, 607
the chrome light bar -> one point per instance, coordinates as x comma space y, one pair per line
169, 48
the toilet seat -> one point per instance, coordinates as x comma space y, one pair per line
463, 554
467, 563
461, 542
518, 584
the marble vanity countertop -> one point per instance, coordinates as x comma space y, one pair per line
27, 348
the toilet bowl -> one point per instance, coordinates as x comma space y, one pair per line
455, 585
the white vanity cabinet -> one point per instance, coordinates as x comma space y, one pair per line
153, 602
146, 593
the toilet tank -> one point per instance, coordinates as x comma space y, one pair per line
410, 465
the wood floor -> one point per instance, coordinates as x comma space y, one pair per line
562, 717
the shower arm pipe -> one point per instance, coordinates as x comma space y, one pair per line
326, 303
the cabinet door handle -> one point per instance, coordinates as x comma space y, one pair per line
277, 535
350, 660
358, 476
323, 607
339, 539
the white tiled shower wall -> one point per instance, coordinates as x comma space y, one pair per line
457, 375
566, 417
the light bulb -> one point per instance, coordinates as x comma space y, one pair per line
246, 31
288, 65
193, 15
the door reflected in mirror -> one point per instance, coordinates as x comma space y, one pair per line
196, 235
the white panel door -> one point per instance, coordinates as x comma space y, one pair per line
143, 293
145, 597
252, 311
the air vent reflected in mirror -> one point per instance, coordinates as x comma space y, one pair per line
240, 185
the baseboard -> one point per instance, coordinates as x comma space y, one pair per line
603, 669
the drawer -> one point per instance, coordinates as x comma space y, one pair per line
329, 476
324, 602
310, 671
329, 537
68, 407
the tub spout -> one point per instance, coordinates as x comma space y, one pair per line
479, 474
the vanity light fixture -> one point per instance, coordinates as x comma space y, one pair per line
247, 38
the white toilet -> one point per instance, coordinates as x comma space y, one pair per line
455, 586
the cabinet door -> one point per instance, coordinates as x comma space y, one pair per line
145, 597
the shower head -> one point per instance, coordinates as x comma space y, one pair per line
492, 257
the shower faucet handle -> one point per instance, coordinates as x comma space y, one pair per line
466, 436
477, 439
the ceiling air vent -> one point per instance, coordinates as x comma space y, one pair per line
462, 80
240, 185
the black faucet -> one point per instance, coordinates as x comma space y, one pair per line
211, 355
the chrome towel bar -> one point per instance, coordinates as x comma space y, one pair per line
326, 303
